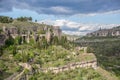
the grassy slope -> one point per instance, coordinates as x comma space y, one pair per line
77, 74
106, 74
58, 57
22, 24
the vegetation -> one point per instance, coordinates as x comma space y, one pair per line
45, 55
9, 41
1, 50
77, 74
24, 19
56, 56
5, 19
107, 51
108, 55
54, 53
101, 37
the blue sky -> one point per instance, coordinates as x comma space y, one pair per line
74, 16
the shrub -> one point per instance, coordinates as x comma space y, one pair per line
9, 41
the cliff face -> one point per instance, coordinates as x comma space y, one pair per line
27, 32
2, 39
106, 32
72, 66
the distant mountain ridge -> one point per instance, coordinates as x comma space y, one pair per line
115, 31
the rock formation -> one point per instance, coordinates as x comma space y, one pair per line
32, 32
106, 32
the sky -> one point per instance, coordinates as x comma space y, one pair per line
76, 17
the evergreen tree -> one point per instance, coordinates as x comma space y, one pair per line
30, 18
1, 50
24, 18
42, 44
20, 40
9, 41
35, 20
14, 50
1, 31
5, 19
2, 67
55, 40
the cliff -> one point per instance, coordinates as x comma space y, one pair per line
106, 32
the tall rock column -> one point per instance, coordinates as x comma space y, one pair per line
28, 37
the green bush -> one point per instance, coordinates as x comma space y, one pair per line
9, 41
18, 68
5, 19
3, 67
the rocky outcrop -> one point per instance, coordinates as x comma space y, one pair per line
26, 66
2, 39
27, 34
71, 66
106, 32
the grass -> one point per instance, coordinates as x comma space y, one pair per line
22, 24
56, 56
77, 74
106, 74
53, 56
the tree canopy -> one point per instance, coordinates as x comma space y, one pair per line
24, 18
5, 19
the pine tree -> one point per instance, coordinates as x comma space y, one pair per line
1, 50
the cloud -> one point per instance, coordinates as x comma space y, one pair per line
71, 25
59, 9
74, 33
72, 8
62, 7
75, 28
3, 7
95, 13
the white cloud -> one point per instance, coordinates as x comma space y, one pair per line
74, 32
66, 23
60, 9
75, 28
62, 22
98, 13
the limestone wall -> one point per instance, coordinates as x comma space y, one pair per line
71, 66
2, 39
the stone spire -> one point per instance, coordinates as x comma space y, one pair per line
48, 35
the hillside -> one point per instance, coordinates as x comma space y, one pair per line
22, 24
100, 36
54, 56
106, 49
105, 32
40, 52
118, 27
